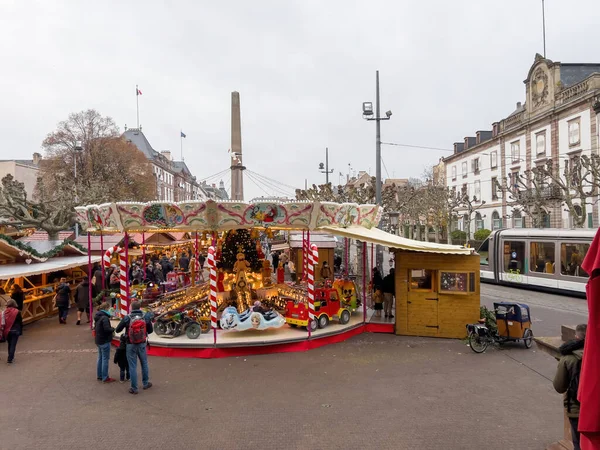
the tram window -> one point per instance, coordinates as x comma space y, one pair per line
420, 279
541, 257
514, 257
483, 251
571, 257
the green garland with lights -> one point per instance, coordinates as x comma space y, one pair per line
49, 254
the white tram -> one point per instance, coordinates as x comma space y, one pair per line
544, 259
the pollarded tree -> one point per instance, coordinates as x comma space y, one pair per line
48, 210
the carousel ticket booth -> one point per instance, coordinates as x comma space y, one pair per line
436, 294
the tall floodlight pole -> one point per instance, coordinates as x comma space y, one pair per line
368, 115
324, 168
544, 25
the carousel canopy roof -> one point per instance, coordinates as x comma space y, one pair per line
226, 215
15, 270
377, 236
341, 219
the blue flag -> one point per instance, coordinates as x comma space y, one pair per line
183, 134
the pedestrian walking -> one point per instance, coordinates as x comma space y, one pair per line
11, 327
62, 300
137, 327
103, 337
566, 380
158, 273
275, 260
82, 299
377, 292
292, 268
389, 290
17, 294
184, 262
121, 359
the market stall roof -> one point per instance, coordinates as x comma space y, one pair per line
8, 271
321, 240
377, 236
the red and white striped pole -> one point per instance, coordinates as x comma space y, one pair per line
213, 291
312, 263
124, 278
304, 259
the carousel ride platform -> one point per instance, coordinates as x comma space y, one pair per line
254, 342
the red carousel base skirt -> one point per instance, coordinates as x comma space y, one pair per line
252, 342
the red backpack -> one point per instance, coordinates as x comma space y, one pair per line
137, 330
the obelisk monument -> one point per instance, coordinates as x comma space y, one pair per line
237, 168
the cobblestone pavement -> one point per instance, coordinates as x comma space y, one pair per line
370, 392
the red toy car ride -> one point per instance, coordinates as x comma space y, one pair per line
327, 306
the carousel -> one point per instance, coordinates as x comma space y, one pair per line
244, 305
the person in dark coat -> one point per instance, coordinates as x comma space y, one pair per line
389, 289
17, 294
166, 266
82, 299
13, 328
103, 337
184, 262
121, 359
62, 300
569, 367
275, 260
97, 279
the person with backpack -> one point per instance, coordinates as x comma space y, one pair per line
11, 327
566, 380
103, 333
137, 327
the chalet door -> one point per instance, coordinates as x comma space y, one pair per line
422, 303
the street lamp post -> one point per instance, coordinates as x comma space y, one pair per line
77, 149
368, 115
324, 168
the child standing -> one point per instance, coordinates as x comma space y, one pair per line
121, 359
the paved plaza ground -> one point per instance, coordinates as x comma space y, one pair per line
373, 391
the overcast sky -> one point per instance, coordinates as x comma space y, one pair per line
303, 69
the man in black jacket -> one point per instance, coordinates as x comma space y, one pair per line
389, 290
184, 262
103, 337
135, 351
62, 300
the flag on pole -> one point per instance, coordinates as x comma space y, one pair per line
183, 134
137, 91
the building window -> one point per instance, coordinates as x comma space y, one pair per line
540, 143
541, 257
478, 190
494, 159
453, 173
518, 221
496, 221
515, 151
478, 222
475, 166
494, 188
574, 132
464, 169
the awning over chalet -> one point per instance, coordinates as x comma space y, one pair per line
8, 271
379, 237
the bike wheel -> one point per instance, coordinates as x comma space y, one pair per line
160, 328
193, 330
477, 343
528, 338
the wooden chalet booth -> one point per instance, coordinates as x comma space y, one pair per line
437, 285
36, 267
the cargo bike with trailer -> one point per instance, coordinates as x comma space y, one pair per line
513, 322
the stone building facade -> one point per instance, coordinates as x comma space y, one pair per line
559, 120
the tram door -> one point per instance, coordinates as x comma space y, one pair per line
422, 302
